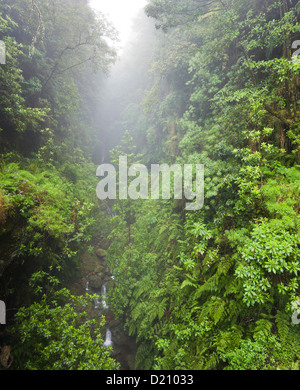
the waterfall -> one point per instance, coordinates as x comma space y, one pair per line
102, 302
108, 341
103, 294
87, 286
97, 303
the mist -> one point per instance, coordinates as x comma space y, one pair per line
149, 188
120, 108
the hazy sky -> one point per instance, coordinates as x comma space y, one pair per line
120, 13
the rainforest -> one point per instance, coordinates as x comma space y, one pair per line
146, 283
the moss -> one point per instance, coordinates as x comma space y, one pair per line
101, 253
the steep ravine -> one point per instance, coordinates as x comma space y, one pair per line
96, 278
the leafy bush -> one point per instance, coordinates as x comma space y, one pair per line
264, 353
55, 332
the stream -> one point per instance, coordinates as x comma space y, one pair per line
98, 280
108, 341
124, 346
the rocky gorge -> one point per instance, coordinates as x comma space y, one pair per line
96, 278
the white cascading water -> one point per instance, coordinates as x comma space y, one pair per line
103, 294
108, 341
97, 303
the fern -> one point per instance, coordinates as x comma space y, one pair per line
224, 265
132, 329
198, 364
232, 286
233, 310
218, 309
138, 311
211, 285
214, 308
161, 308
143, 288
228, 340
158, 310
263, 326
144, 356
282, 325
212, 362
188, 283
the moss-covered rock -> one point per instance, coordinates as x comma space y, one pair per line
101, 253
96, 281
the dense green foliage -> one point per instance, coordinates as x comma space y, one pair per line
215, 288
216, 83
56, 333
56, 52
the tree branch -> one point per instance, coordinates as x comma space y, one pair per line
39, 28
62, 53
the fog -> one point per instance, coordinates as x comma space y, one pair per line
121, 14
121, 91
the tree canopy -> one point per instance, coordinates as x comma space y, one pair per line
206, 82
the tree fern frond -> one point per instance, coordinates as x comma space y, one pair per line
188, 283
211, 285
282, 324
161, 308
212, 362
132, 329
138, 311
144, 356
263, 326
158, 309
232, 287
218, 309
224, 265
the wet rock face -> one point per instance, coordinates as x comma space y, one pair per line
94, 267
124, 346
100, 253
97, 274
96, 282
